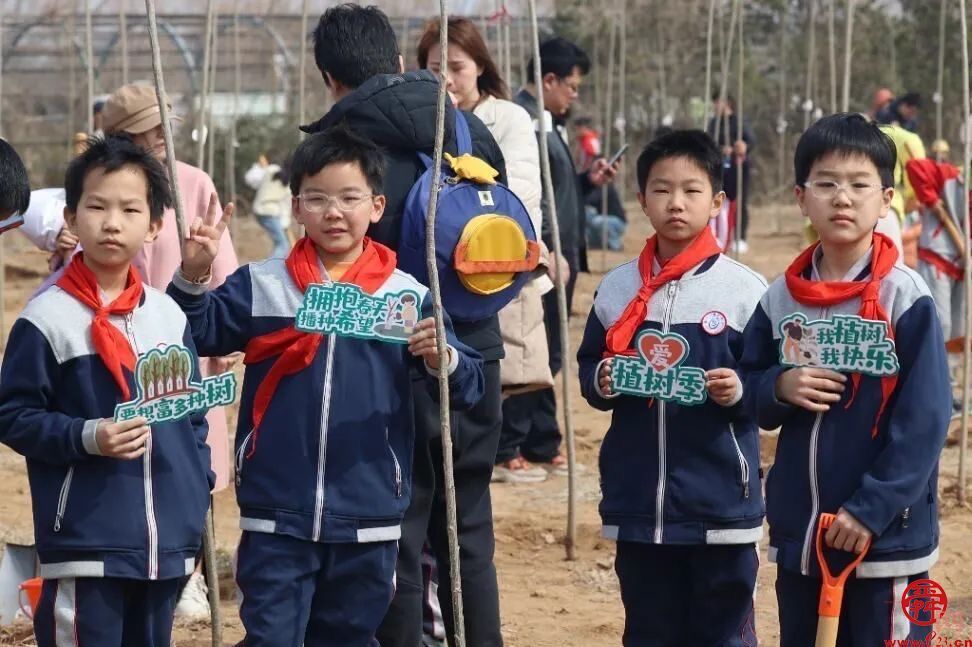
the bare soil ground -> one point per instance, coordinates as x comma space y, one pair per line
546, 601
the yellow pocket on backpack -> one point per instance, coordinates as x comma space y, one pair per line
491, 251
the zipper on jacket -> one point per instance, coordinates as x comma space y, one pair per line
743, 463
814, 485
62, 498
662, 467
240, 455
398, 467
151, 523
906, 517
322, 442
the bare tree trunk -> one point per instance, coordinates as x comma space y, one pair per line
781, 125
608, 111
452, 531
209, 547
72, 80
559, 282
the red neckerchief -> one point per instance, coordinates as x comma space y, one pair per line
620, 334
297, 349
827, 293
111, 345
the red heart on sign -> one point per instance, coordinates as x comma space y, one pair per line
662, 351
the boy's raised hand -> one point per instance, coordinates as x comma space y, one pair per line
604, 381
200, 247
723, 386
125, 440
847, 533
811, 388
423, 343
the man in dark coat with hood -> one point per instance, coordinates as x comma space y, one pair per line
357, 53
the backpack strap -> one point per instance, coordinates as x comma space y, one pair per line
463, 139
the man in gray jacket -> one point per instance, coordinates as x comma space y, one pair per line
530, 428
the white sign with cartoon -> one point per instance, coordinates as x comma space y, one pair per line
845, 343
345, 309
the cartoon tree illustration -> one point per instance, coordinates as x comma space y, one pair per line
147, 379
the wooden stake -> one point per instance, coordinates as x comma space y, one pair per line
608, 111
72, 81
939, 98
210, 93
123, 37
452, 529
811, 58
707, 99
209, 546
566, 372
832, 53
967, 154
848, 49
622, 91
737, 229
201, 114
231, 149
781, 125
302, 96
89, 56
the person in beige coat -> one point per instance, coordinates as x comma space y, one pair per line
475, 85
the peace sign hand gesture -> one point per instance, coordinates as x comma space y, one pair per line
200, 247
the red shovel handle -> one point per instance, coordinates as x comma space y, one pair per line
832, 590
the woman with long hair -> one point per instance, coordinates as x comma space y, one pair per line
475, 84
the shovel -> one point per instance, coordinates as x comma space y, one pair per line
832, 589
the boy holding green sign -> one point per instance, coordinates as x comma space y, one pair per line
680, 461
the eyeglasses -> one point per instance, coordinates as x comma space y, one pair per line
317, 203
828, 189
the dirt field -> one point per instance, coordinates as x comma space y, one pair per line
546, 601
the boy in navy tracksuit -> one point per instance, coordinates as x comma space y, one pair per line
845, 353
325, 434
680, 483
118, 506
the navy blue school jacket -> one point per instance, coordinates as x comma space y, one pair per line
825, 461
331, 461
96, 516
674, 474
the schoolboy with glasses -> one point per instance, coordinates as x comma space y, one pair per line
325, 435
845, 353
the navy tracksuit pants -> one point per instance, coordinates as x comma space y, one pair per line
105, 612
871, 611
298, 592
687, 595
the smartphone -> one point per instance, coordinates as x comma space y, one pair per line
618, 155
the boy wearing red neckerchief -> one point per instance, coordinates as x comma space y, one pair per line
118, 506
325, 434
845, 353
680, 481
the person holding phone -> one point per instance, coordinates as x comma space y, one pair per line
606, 224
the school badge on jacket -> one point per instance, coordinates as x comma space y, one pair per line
166, 391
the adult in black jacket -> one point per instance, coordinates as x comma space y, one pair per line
724, 127
530, 429
357, 53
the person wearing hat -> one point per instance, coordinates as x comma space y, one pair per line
134, 110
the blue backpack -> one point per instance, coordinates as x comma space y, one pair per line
485, 244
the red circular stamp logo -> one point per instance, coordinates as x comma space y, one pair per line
924, 602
